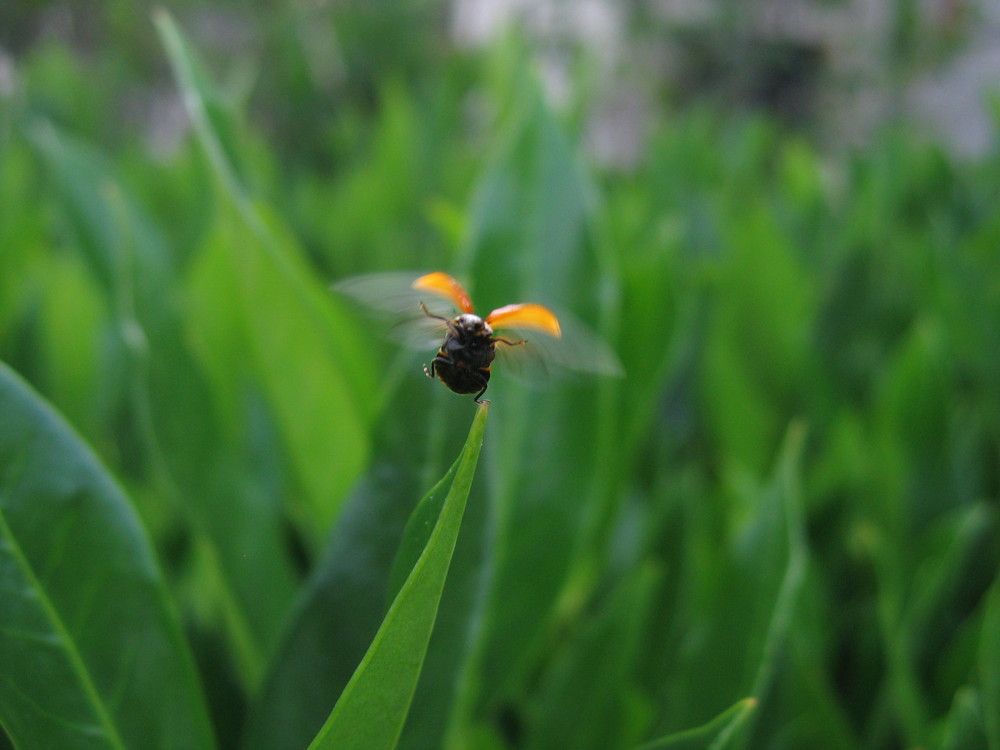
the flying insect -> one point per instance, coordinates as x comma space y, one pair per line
464, 358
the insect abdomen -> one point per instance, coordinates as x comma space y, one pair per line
459, 376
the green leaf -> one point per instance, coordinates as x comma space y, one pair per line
336, 615
989, 667
74, 320
340, 608
374, 705
310, 356
536, 196
178, 435
964, 725
418, 530
121, 246
755, 356
459, 620
93, 654
740, 618
584, 697
711, 736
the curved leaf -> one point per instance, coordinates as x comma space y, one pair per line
419, 528
711, 736
311, 358
374, 705
93, 655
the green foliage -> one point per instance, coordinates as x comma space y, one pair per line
92, 649
778, 530
371, 711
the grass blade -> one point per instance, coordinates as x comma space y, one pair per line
92, 652
178, 437
989, 666
964, 726
588, 699
711, 736
373, 706
311, 358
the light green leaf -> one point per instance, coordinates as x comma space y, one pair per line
93, 655
374, 705
308, 353
163, 389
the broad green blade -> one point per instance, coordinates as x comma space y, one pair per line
348, 593
312, 359
93, 655
374, 705
121, 246
175, 415
419, 528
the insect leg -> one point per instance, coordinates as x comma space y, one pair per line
500, 340
478, 395
429, 314
429, 371
486, 384
446, 321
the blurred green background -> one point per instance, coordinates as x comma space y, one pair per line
782, 216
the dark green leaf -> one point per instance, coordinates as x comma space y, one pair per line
178, 438
584, 700
715, 735
964, 726
989, 667
341, 606
93, 653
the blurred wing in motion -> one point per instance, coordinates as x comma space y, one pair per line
445, 286
396, 294
551, 343
395, 302
530, 316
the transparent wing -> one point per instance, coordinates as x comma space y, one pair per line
394, 294
578, 349
551, 342
393, 301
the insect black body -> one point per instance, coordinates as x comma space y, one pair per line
463, 362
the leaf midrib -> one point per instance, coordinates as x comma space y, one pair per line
64, 639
